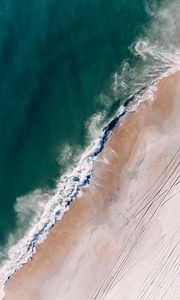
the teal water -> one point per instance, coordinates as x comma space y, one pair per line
66, 68
56, 57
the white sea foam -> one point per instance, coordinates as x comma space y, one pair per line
67, 189
158, 58
65, 154
123, 79
31, 206
105, 101
94, 125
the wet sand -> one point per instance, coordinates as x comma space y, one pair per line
120, 238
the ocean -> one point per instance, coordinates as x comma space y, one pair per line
68, 70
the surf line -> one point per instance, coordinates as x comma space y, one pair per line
66, 193
90, 159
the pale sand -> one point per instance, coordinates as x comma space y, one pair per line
121, 239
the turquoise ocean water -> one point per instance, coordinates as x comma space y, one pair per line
65, 69
56, 57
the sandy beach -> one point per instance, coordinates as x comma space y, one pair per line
120, 238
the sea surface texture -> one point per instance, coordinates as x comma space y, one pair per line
66, 69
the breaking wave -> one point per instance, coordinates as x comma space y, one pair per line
157, 57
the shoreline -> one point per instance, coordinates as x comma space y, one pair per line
68, 188
106, 215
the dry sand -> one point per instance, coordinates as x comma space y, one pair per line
121, 238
